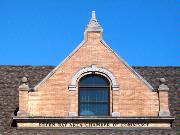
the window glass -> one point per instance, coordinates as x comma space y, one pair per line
94, 101
94, 80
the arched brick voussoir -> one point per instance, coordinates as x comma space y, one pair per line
95, 69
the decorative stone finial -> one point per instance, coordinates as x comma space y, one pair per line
93, 17
163, 98
163, 87
24, 86
162, 80
164, 113
93, 24
24, 80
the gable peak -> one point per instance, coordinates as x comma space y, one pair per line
93, 16
93, 25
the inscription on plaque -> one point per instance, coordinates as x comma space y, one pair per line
91, 125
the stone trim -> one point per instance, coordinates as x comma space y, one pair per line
96, 70
72, 114
115, 114
93, 25
128, 66
23, 87
147, 122
164, 113
56, 68
22, 114
148, 118
163, 87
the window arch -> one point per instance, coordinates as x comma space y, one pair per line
89, 70
94, 95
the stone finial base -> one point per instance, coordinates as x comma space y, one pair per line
115, 114
73, 114
21, 113
164, 113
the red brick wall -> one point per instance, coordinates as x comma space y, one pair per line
52, 98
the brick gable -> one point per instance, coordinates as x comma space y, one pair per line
52, 97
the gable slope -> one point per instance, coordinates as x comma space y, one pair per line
107, 46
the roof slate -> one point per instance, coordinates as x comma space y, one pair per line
10, 77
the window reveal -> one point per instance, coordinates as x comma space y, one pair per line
94, 96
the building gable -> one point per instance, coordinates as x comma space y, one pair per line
98, 35
125, 95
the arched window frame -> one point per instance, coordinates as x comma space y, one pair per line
107, 86
89, 70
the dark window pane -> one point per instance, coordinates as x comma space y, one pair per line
88, 109
94, 101
94, 81
93, 94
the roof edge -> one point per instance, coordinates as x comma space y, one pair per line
61, 63
128, 66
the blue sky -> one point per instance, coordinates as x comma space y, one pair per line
44, 32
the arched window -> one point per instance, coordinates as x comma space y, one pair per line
94, 96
